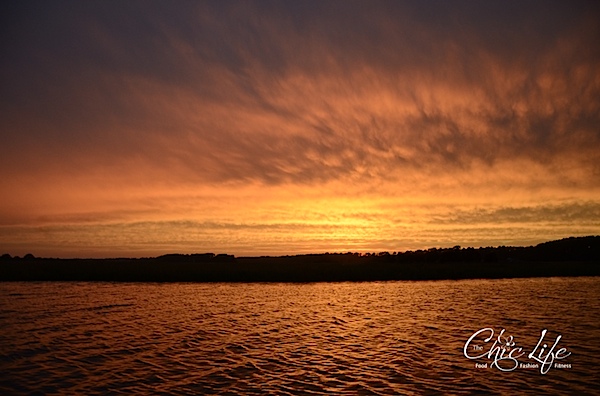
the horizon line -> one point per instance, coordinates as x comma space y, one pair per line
365, 253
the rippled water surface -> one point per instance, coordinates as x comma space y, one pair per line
324, 338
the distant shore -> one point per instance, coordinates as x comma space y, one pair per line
566, 257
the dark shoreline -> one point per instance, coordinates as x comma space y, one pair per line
566, 257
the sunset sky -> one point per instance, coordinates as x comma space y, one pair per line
132, 129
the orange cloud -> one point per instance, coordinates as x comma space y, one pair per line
257, 129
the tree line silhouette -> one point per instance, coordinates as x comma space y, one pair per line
566, 257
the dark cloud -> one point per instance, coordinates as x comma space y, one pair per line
295, 92
584, 214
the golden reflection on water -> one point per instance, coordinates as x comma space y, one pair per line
325, 338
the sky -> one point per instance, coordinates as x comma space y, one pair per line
140, 128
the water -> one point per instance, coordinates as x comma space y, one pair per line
372, 338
